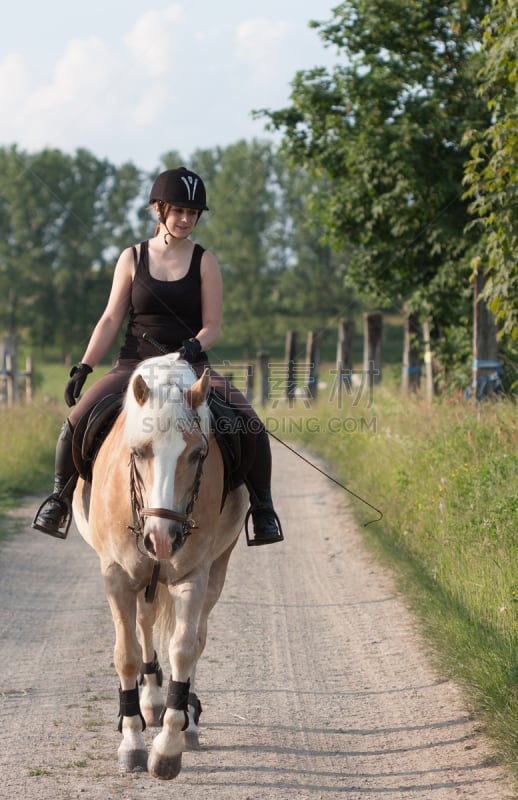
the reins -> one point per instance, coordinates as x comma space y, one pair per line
322, 472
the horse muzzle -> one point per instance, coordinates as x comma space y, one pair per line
164, 540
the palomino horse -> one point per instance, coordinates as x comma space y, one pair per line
152, 512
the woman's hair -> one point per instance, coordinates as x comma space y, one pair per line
163, 210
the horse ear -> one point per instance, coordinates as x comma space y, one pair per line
198, 392
140, 390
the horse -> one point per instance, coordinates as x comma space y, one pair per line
155, 513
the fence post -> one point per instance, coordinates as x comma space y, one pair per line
264, 367
344, 358
486, 366
411, 376
372, 331
29, 379
291, 364
313, 361
428, 366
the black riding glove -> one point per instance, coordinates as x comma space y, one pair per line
78, 376
190, 350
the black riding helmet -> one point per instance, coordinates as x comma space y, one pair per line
179, 187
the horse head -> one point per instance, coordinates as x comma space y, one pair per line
167, 430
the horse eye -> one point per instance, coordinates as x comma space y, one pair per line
139, 452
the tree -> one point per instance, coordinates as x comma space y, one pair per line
242, 209
385, 128
492, 172
63, 220
311, 284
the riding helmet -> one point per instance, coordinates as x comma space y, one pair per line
180, 187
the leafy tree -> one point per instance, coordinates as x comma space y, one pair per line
242, 210
311, 285
492, 172
63, 219
385, 129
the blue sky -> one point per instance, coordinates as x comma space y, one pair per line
130, 81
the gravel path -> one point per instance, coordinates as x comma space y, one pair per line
314, 682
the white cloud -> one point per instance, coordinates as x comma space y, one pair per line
79, 96
14, 88
259, 43
150, 40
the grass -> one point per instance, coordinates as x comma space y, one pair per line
445, 478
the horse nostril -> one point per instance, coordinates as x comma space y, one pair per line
148, 544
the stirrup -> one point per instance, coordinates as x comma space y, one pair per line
253, 542
58, 532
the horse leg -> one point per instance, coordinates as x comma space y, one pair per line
216, 582
127, 653
151, 676
165, 759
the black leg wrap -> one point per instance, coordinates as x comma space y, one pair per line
177, 699
152, 668
129, 706
195, 703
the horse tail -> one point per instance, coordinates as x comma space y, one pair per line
165, 620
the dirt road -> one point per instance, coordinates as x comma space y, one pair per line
314, 683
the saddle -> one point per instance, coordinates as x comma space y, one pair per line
227, 424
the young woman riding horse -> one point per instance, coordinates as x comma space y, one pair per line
172, 289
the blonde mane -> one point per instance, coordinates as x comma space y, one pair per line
166, 407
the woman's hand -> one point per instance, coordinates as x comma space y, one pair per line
78, 376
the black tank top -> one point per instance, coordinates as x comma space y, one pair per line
170, 311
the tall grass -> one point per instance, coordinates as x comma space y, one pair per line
27, 441
445, 477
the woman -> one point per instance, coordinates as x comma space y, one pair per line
173, 291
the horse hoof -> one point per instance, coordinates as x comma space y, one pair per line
165, 769
152, 716
191, 740
133, 761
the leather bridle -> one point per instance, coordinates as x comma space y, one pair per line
140, 511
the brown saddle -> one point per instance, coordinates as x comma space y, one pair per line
228, 426
91, 431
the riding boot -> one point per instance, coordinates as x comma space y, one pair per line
267, 526
55, 513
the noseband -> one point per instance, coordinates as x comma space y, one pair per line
140, 512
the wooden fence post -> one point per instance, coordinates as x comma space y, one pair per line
291, 365
411, 376
264, 367
428, 365
29, 379
372, 331
313, 361
344, 358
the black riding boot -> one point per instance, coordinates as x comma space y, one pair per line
267, 526
55, 513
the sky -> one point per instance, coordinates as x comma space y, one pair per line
130, 80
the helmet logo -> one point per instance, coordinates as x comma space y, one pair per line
191, 185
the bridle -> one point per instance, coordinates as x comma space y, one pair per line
140, 511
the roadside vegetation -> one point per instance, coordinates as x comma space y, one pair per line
445, 477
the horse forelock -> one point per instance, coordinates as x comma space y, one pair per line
165, 410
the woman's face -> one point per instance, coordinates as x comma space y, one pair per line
181, 221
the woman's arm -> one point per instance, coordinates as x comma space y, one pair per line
109, 324
211, 301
